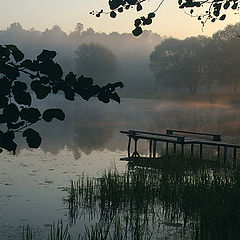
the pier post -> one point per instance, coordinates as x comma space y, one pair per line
167, 147
154, 148
129, 146
225, 154
182, 148
174, 147
192, 148
234, 157
218, 153
200, 153
150, 148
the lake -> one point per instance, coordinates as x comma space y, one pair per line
89, 141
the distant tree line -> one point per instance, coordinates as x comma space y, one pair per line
130, 53
198, 62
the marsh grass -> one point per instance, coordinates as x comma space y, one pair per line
59, 232
202, 204
27, 233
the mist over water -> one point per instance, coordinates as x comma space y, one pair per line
94, 126
89, 141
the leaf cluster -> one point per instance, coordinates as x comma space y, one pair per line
45, 77
215, 9
210, 10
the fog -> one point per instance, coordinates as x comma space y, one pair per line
132, 54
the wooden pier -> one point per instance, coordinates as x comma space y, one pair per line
179, 138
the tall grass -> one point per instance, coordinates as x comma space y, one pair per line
27, 233
204, 205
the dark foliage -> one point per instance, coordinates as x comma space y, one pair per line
45, 77
212, 10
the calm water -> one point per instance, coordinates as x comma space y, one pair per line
89, 141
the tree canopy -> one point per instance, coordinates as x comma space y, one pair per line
95, 60
45, 77
182, 62
198, 62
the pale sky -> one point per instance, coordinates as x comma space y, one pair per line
42, 14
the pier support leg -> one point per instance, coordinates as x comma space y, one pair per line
135, 153
225, 154
200, 152
154, 148
129, 146
167, 147
174, 147
218, 153
234, 157
150, 148
192, 148
182, 148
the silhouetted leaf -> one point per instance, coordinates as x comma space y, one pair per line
11, 113
139, 7
9, 71
31, 115
3, 102
15, 125
120, 9
137, 22
46, 55
147, 21
131, 2
22, 97
151, 15
113, 4
85, 81
70, 78
103, 97
17, 54
40, 90
68, 91
5, 86
32, 137
30, 65
44, 80
222, 17
234, 6
57, 113
6, 141
19, 86
226, 5
51, 69
115, 97
4, 53
137, 31
113, 14
2, 119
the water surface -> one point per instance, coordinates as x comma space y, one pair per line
89, 141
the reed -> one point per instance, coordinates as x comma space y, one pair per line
205, 203
27, 233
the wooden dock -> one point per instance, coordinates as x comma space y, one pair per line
182, 139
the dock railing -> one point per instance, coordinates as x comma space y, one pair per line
172, 137
215, 137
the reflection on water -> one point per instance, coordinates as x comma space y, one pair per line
93, 126
89, 140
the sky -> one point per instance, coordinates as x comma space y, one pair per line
42, 14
